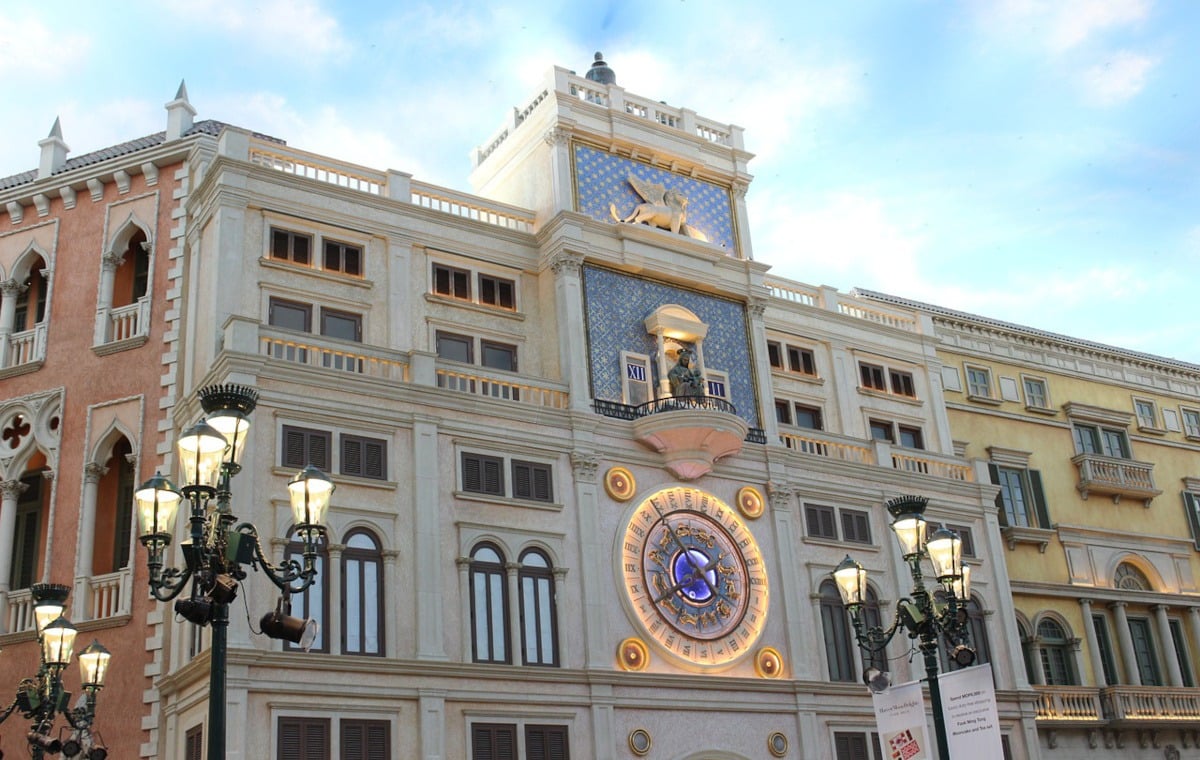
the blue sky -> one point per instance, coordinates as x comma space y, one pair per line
1028, 160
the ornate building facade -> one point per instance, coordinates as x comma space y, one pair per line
536, 401
1095, 452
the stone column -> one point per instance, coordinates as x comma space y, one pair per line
427, 537
572, 344
564, 642
109, 264
432, 705
1174, 676
86, 541
515, 650
763, 390
1035, 661
388, 610
1125, 643
9, 290
464, 595
595, 579
10, 490
333, 599
1089, 629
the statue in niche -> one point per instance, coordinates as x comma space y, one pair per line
662, 208
685, 379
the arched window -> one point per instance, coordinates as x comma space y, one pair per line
114, 512
362, 595
1130, 578
977, 638
1026, 650
313, 602
539, 627
489, 606
33, 291
131, 280
839, 643
871, 619
27, 533
1055, 654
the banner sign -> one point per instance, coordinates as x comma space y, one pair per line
900, 716
969, 708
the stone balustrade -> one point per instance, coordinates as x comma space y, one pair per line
1115, 477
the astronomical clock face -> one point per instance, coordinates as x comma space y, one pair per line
694, 576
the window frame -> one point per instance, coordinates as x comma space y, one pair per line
484, 288
498, 285
310, 434
367, 444
1054, 655
290, 236
906, 382
303, 723
815, 412
320, 237
1191, 422
856, 522
826, 521
835, 634
364, 557
318, 588
1031, 400
342, 248
630, 360
973, 386
482, 461
1146, 414
872, 377
534, 492
496, 626
540, 579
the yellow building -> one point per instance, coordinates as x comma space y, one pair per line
1096, 452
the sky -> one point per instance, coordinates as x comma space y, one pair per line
1033, 161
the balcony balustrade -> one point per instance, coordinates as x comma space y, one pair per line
1115, 477
1078, 705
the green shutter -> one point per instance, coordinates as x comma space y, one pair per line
1191, 504
1039, 499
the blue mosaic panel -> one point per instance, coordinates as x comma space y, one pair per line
617, 307
602, 179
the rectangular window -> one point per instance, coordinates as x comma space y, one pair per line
341, 324
1035, 393
1104, 643
902, 383
856, 526
496, 291
1143, 650
493, 741
343, 257
854, 746
193, 743
451, 282
783, 412
801, 360
911, 437
290, 315
1147, 413
1021, 501
872, 377
304, 446
967, 538
1114, 443
1191, 508
483, 474
820, 520
303, 739
365, 739
498, 355
546, 743
979, 382
775, 354
881, 430
364, 457
455, 348
533, 481
291, 246
1181, 653
809, 417
1191, 423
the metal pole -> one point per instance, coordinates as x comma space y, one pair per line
929, 649
216, 683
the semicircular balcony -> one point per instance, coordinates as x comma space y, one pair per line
690, 432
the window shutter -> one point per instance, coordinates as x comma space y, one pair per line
472, 473
318, 450
293, 447
546, 743
374, 459
365, 740
289, 739
352, 741
492, 741
1039, 499
522, 480
352, 455
541, 484
1191, 503
493, 477
994, 474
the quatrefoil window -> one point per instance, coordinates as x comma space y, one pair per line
17, 429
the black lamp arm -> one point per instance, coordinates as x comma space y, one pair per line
874, 638
169, 583
289, 576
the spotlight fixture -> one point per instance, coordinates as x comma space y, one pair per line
45, 743
198, 611
877, 680
278, 624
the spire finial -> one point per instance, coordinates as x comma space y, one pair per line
600, 73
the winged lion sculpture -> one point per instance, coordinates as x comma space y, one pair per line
662, 208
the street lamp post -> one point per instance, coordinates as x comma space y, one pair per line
219, 546
41, 698
926, 615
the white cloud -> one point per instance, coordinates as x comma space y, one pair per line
1122, 76
25, 45
298, 29
1059, 25
849, 239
